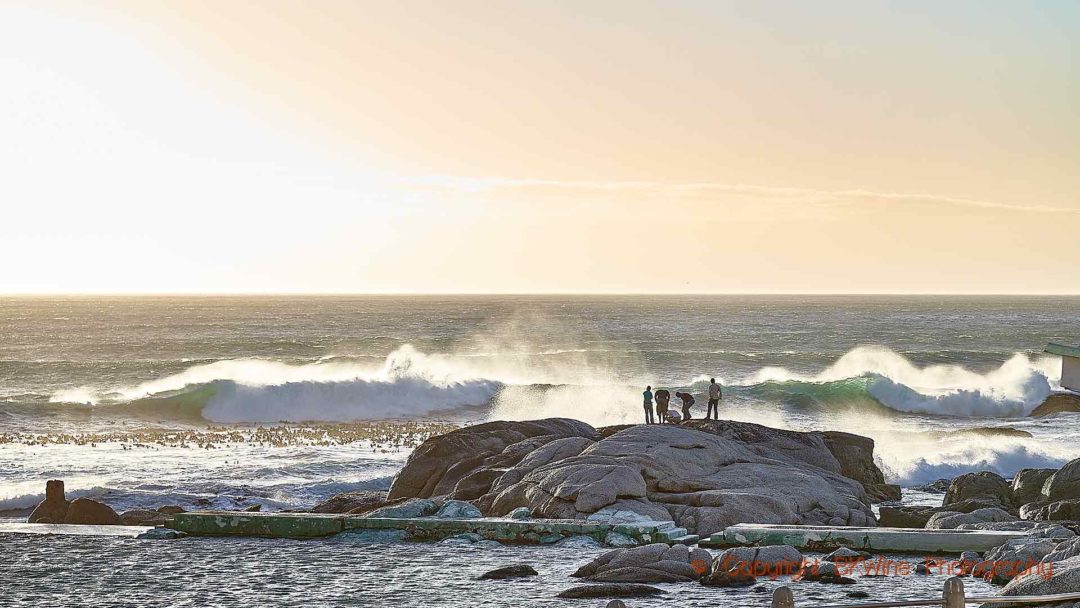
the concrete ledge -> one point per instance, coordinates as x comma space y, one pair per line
243, 523
73, 529
888, 540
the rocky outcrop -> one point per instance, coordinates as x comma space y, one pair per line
1027, 485
655, 563
52, 510
355, 503
855, 454
704, 475
1059, 510
515, 571
56, 509
1058, 403
986, 487
904, 517
476, 456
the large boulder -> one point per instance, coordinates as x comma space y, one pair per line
983, 486
52, 510
855, 454
655, 563
702, 474
1027, 485
1064, 550
904, 516
91, 512
357, 502
1064, 484
441, 462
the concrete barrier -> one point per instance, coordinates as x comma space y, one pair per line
886, 540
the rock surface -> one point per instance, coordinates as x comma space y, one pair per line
91, 512
654, 563
1058, 403
610, 590
1064, 577
355, 503
855, 454
949, 520
984, 485
704, 475
515, 571
1063, 484
1027, 485
416, 507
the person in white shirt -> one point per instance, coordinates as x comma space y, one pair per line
714, 400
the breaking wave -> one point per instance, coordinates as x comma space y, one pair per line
409, 383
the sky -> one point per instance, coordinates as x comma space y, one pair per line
539, 147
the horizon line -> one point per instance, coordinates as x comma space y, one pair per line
42, 294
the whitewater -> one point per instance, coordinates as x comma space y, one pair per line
943, 385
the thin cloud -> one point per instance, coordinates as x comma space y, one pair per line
490, 184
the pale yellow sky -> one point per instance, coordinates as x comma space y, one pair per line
540, 147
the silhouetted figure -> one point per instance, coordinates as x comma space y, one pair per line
662, 399
687, 401
648, 405
714, 400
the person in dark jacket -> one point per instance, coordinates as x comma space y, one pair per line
662, 399
687, 401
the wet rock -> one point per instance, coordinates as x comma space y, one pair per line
52, 510
743, 564
578, 542
618, 539
616, 604
253, 508
858, 594
654, 563
161, 534
416, 507
845, 554
725, 578
356, 503
940, 486
515, 571
981, 485
825, 572
610, 590
170, 510
139, 517
457, 509
91, 512
1027, 485
1057, 403
948, 520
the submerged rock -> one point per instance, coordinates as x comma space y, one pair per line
515, 571
618, 539
610, 590
578, 542
161, 534
825, 572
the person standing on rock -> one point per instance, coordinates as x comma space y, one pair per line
714, 400
662, 399
648, 405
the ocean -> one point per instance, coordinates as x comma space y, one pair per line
144, 401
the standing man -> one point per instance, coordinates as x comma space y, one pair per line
662, 399
714, 400
648, 405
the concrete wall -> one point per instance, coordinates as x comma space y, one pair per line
1070, 373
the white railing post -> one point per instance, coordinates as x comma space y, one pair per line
953, 595
783, 598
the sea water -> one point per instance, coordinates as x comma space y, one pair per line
943, 385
